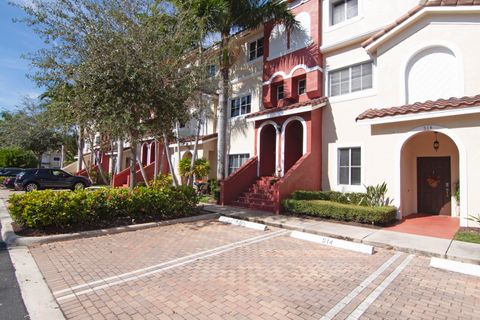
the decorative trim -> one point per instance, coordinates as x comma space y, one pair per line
417, 16
304, 145
285, 76
285, 112
425, 46
420, 116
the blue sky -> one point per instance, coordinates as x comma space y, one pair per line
15, 39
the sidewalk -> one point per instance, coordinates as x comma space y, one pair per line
429, 246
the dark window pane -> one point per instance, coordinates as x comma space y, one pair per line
356, 176
344, 157
356, 157
343, 175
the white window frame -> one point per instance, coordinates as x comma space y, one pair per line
239, 97
249, 51
335, 151
280, 92
352, 95
327, 16
336, 2
305, 86
239, 155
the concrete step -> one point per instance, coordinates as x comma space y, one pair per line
255, 201
268, 208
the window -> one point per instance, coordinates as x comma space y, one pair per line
56, 159
351, 79
241, 106
255, 49
211, 70
302, 86
235, 161
349, 166
343, 10
280, 92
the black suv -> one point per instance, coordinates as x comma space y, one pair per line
35, 179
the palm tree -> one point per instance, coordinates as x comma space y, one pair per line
224, 17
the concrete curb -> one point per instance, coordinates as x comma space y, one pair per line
310, 229
12, 239
36, 295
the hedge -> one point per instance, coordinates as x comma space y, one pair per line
342, 212
356, 198
103, 207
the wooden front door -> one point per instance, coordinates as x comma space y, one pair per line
434, 184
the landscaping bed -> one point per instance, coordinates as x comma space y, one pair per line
348, 207
53, 212
468, 235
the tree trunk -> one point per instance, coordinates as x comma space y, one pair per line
87, 170
177, 137
133, 178
80, 150
100, 167
39, 160
222, 109
195, 150
162, 157
169, 160
142, 171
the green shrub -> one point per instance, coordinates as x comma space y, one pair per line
342, 212
355, 198
103, 207
15, 157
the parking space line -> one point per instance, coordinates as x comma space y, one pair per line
141, 273
355, 292
357, 313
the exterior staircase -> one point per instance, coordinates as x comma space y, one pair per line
259, 196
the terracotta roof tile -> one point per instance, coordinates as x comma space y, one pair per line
414, 10
438, 105
289, 107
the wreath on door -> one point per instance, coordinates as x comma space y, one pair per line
433, 181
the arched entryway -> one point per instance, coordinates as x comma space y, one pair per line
294, 142
293, 135
144, 154
152, 152
429, 175
268, 150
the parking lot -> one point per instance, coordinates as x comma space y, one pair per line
208, 270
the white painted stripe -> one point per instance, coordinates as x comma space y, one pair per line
456, 266
128, 274
337, 243
355, 292
243, 223
357, 313
198, 257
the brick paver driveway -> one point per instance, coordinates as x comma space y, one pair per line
207, 270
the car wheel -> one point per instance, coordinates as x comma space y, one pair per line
31, 186
79, 186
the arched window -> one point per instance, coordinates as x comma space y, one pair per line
432, 74
299, 38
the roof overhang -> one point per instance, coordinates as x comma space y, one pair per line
287, 112
191, 143
414, 18
420, 116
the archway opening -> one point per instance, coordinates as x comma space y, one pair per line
293, 144
268, 152
152, 152
429, 175
144, 154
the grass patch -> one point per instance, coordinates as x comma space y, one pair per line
471, 236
